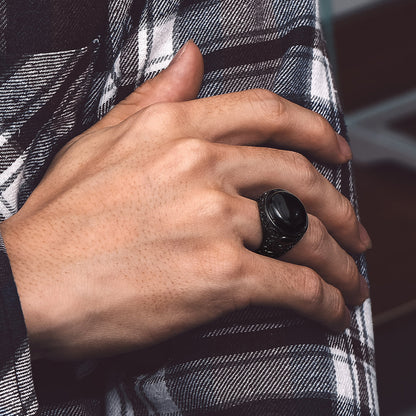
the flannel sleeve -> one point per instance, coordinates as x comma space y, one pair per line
17, 394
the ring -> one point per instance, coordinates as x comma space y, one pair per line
284, 221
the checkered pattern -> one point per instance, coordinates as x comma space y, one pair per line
259, 361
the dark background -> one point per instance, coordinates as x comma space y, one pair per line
373, 51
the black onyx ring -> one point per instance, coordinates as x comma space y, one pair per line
284, 221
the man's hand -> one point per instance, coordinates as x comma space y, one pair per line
143, 226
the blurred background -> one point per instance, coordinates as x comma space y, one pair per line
372, 47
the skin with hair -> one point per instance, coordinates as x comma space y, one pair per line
144, 226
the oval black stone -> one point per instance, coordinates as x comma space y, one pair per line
287, 213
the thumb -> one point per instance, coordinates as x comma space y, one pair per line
180, 81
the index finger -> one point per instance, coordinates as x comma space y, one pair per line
260, 117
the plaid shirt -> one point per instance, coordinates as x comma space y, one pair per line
63, 65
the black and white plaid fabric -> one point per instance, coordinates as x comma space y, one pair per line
63, 65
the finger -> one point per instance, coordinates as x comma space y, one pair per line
180, 81
320, 252
276, 283
245, 222
316, 250
257, 117
250, 171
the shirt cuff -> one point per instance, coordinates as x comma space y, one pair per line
17, 393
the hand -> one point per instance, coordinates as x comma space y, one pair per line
143, 226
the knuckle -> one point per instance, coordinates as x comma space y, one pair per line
352, 283
350, 267
190, 147
228, 261
297, 160
161, 115
313, 288
223, 268
318, 237
187, 161
321, 133
337, 306
271, 105
347, 213
192, 154
232, 265
252, 212
322, 127
308, 175
218, 206
262, 94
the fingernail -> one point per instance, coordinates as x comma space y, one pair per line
179, 54
364, 237
344, 147
364, 289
